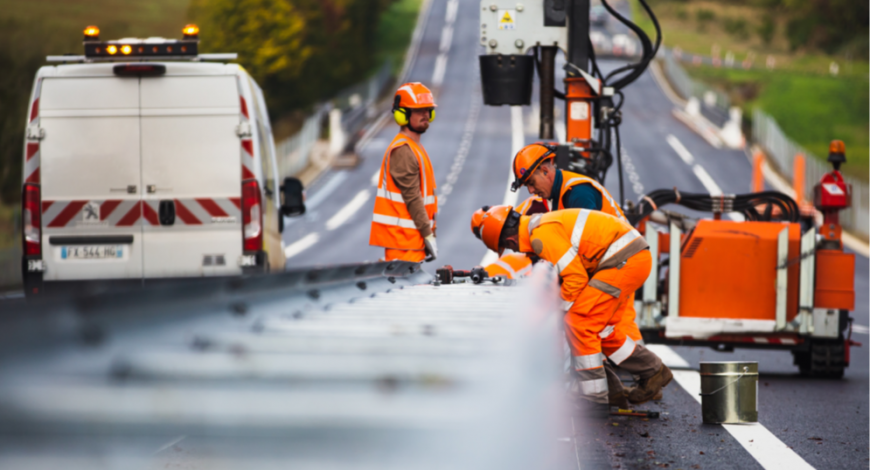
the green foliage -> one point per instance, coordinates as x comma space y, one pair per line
827, 25
299, 51
766, 29
704, 16
682, 14
737, 27
395, 29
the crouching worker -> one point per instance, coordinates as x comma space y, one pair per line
511, 265
601, 261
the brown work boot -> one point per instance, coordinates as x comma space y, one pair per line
649, 389
618, 399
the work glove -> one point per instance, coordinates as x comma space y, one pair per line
431, 248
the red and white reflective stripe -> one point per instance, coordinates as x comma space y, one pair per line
247, 143
31, 148
127, 213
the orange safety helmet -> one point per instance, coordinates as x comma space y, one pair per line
528, 160
492, 224
476, 218
409, 96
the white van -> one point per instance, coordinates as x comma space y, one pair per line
147, 169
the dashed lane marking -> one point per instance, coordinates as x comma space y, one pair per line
446, 39
348, 210
301, 245
452, 8
681, 149
700, 172
375, 177
770, 452
440, 70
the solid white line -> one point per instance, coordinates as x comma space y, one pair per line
770, 452
681, 149
860, 329
518, 141
446, 39
301, 245
440, 69
348, 210
452, 8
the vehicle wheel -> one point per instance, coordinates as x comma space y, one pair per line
802, 360
827, 359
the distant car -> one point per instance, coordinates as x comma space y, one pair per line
598, 15
624, 45
600, 43
140, 170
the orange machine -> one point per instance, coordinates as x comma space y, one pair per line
773, 281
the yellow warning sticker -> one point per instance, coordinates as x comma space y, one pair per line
507, 19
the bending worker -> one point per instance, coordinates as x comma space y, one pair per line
601, 261
534, 167
404, 215
511, 265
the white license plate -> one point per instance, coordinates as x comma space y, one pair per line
92, 252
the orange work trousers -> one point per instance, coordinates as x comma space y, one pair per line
595, 323
391, 254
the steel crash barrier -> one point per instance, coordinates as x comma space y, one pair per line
359, 366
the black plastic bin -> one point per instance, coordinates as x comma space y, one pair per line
507, 79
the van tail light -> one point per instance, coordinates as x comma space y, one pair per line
252, 216
31, 218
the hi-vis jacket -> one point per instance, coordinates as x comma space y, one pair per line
392, 226
511, 266
580, 243
608, 204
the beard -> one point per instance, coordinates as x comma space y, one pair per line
420, 130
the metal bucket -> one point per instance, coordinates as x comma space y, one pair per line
729, 392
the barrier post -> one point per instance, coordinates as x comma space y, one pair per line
757, 173
798, 173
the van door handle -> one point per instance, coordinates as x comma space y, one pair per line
130, 189
152, 188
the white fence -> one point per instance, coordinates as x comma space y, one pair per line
293, 152
782, 150
687, 87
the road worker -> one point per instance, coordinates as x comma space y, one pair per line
601, 262
404, 215
511, 265
534, 167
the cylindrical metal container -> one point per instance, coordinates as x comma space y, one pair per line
729, 392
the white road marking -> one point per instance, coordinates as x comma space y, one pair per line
518, 141
452, 8
348, 210
446, 39
170, 444
440, 69
707, 180
375, 177
325, 190
860, 329
561, 131
681, 149
301, 245
770, 452
631, 171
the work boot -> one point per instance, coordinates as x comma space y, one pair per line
648, 389
618, 398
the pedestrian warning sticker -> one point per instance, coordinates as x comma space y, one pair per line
507, 19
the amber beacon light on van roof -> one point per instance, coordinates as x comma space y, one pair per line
155, 48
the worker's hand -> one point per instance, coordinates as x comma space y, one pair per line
431, 248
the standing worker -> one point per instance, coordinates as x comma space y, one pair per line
534, 167
404, 216
601, 261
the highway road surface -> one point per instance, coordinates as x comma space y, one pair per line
804, 423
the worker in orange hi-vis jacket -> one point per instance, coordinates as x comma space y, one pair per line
511, 265
601, 261
534, 167
404, 214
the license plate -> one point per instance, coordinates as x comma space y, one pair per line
92, 252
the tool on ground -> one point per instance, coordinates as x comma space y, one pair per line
447, 275
638, 413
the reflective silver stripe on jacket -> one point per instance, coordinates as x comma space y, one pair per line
579, 226
619, 244
395, 221
623, 352
591, 387
566, 305
397, 197
607, 331
603, 192
509, 269
589, 361
566, 259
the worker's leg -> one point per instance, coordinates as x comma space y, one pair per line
616, 391
391, 254
616, 394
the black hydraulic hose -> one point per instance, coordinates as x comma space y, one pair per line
742, 203
645, 43
619, 166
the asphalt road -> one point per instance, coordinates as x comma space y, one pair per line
825, 422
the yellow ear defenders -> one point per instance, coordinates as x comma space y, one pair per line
401, 115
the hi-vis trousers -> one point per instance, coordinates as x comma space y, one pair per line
594, 329
391, 254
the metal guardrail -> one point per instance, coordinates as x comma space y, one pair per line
357, 366
782, 151
715, 100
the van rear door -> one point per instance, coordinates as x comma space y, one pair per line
90, 178
191, 172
